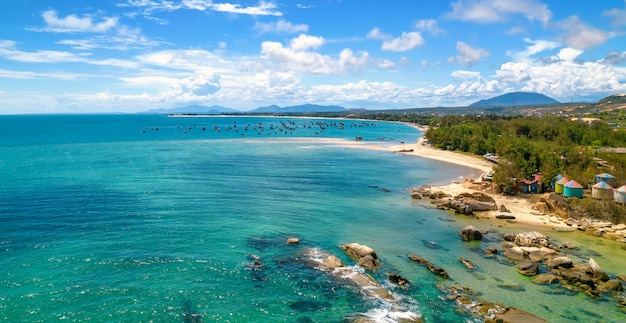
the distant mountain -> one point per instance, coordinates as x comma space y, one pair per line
515, 99
193, 109
615, 99
299, 109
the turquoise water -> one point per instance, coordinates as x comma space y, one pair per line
140, 218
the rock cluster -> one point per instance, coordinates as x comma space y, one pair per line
601, 229
551, 203
464, 203
490, 312
367, 284
529, 249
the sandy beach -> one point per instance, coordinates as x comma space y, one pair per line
519, 206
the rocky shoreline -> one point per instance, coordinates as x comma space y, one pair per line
478, 199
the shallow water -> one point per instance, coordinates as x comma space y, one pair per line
106, 218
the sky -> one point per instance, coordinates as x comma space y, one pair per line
76, 56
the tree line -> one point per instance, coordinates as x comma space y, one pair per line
550, 145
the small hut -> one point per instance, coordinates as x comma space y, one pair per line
602, 191
573, 189
620, 194
607, 178
558, 186
554, 180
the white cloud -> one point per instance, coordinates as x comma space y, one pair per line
280, 26
298, 57
580, 35
199, 85
406, 41
429, 25
75, 24
13, 74
569, 54
468, 55
10, 52
491, 11
537, 46
305, 42
264, 8
618, 15
377, 34
465, 74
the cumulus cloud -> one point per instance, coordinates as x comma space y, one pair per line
75, 24
299, 56
467, 55
580, 35
200, 85
492, 11
535, 47
305, 42
406, 41
429, 25
280, 26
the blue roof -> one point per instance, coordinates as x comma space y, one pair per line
573, 184
621, 189
605, 175
603, 185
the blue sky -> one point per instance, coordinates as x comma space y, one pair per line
133, 55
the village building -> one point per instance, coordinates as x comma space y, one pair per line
602, 191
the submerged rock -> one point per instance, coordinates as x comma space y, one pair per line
434, 269
470, 233
470, 265
545, 279
398, 280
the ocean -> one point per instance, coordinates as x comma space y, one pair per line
149, 218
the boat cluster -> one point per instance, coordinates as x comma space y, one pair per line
281, 127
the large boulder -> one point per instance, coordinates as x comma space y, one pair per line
558, 205
470, 233
515, 253
331, 262
478, 201
527, 268
365, 255
531, 239
515, 315
598, 272
562, 261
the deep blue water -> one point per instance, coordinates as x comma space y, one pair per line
139, 218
